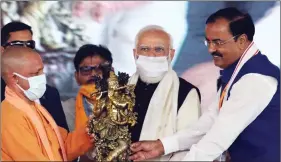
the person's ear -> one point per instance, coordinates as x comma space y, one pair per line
242, 39
12, 78
172, 53
135, 53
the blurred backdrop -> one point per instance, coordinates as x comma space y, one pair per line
61, 27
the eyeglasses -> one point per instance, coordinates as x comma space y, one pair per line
87, 70
218, 43
30, 44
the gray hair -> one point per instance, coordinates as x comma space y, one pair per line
153, 28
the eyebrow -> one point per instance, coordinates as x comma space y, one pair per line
39, 70
83, 66
212, 39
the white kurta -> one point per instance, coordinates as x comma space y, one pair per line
162, 119
218, 128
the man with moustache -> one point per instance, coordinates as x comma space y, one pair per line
244, 119
165, 103
19, 34
87, 63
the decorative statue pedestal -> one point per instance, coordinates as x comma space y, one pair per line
112, 116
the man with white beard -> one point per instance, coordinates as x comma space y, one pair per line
115, 24
248, 90
165, 103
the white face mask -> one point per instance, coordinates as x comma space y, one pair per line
37, 86
152, 69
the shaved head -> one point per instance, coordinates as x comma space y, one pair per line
21, 60
17, 58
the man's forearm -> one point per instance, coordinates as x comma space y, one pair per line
184, 139
77, 143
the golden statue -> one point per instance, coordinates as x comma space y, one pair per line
112, 116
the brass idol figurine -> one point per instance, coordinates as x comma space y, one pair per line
112, 116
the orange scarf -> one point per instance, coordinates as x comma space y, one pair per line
81, 118
22, 105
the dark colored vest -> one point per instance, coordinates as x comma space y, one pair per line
260, 141
144, 92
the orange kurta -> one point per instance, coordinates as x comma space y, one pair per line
20, 140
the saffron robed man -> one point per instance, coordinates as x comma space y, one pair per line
28, 131
245, 116
19, 34
165, 103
